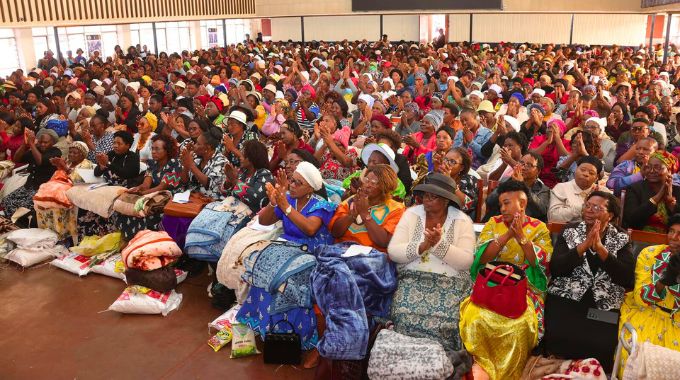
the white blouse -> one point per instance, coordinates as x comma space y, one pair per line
144, 151
452, 255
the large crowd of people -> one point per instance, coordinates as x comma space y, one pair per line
383, 144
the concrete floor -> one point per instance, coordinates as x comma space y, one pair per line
53, 325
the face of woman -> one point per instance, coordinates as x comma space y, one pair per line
287, 136
124, 103
585, 176
234, 127
158, 152
370, 185
144, 126
674, 238
291, 162
595, 209
514, 147
298, 187
44, 143
444, 141
377, 109
211, 109
376, 158
434, 203
335, 108
144, 92
41, 109
455, 161
330, 123
75, 156
655, 171
406, 97
120, 146
194, 130
426, 127
201, 147
252, 102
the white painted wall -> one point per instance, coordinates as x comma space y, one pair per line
286, 28
610, 29
338, 28
517, 27
459, 27
401, 27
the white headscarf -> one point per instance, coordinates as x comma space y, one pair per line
368, 99
311, 174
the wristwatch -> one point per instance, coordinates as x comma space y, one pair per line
288, 210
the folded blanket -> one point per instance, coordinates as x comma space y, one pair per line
150, 250
52, 194
210, 231
140, 206
100, 200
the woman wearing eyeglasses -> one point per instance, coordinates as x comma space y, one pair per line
370, 217
650, 202
592, 267
304, 213
433, 246
456, 164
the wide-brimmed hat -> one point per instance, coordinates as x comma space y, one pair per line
439, 185
238, 116
384, 150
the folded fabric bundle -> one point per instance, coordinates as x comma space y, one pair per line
396, 356
52, 194
242, 243
162, 279
95, 245
374, 274
6, 167
27, 257
282, 269
141, 206
99, 200
150, 250
338, 296
210, 231
33, 238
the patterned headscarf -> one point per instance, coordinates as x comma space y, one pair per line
667, 159
152, 119
412, 106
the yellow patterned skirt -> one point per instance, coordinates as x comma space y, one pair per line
500, 345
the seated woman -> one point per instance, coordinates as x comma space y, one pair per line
64, 221
289, 138
36, 151
248, 182
372, 155
582, 144
425, 163
551, 146
566, 199
650, 307
280, 111
237, 134
205, 172
650, 202
433, 246
120, 165
146, 127
163, 173
305, 215
370, 217
514, 147
501, 346
393, 140
424, 140
337, 162
456, 164
592, 268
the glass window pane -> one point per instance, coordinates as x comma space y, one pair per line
39, 31
10, 61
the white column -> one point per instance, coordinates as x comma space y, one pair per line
196, 35
124, 38
25, 49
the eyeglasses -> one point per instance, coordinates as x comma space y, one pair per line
450, 161
656, 168
295, 182
592, 207
365, 180
527, 165
638, 129
291, 162
430, 197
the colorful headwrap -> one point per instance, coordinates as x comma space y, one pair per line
412, 106
519, 97
667, 159
152, 119
218, 102
382, 119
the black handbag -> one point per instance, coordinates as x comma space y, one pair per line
282, 348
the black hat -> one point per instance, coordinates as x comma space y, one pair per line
440, 185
